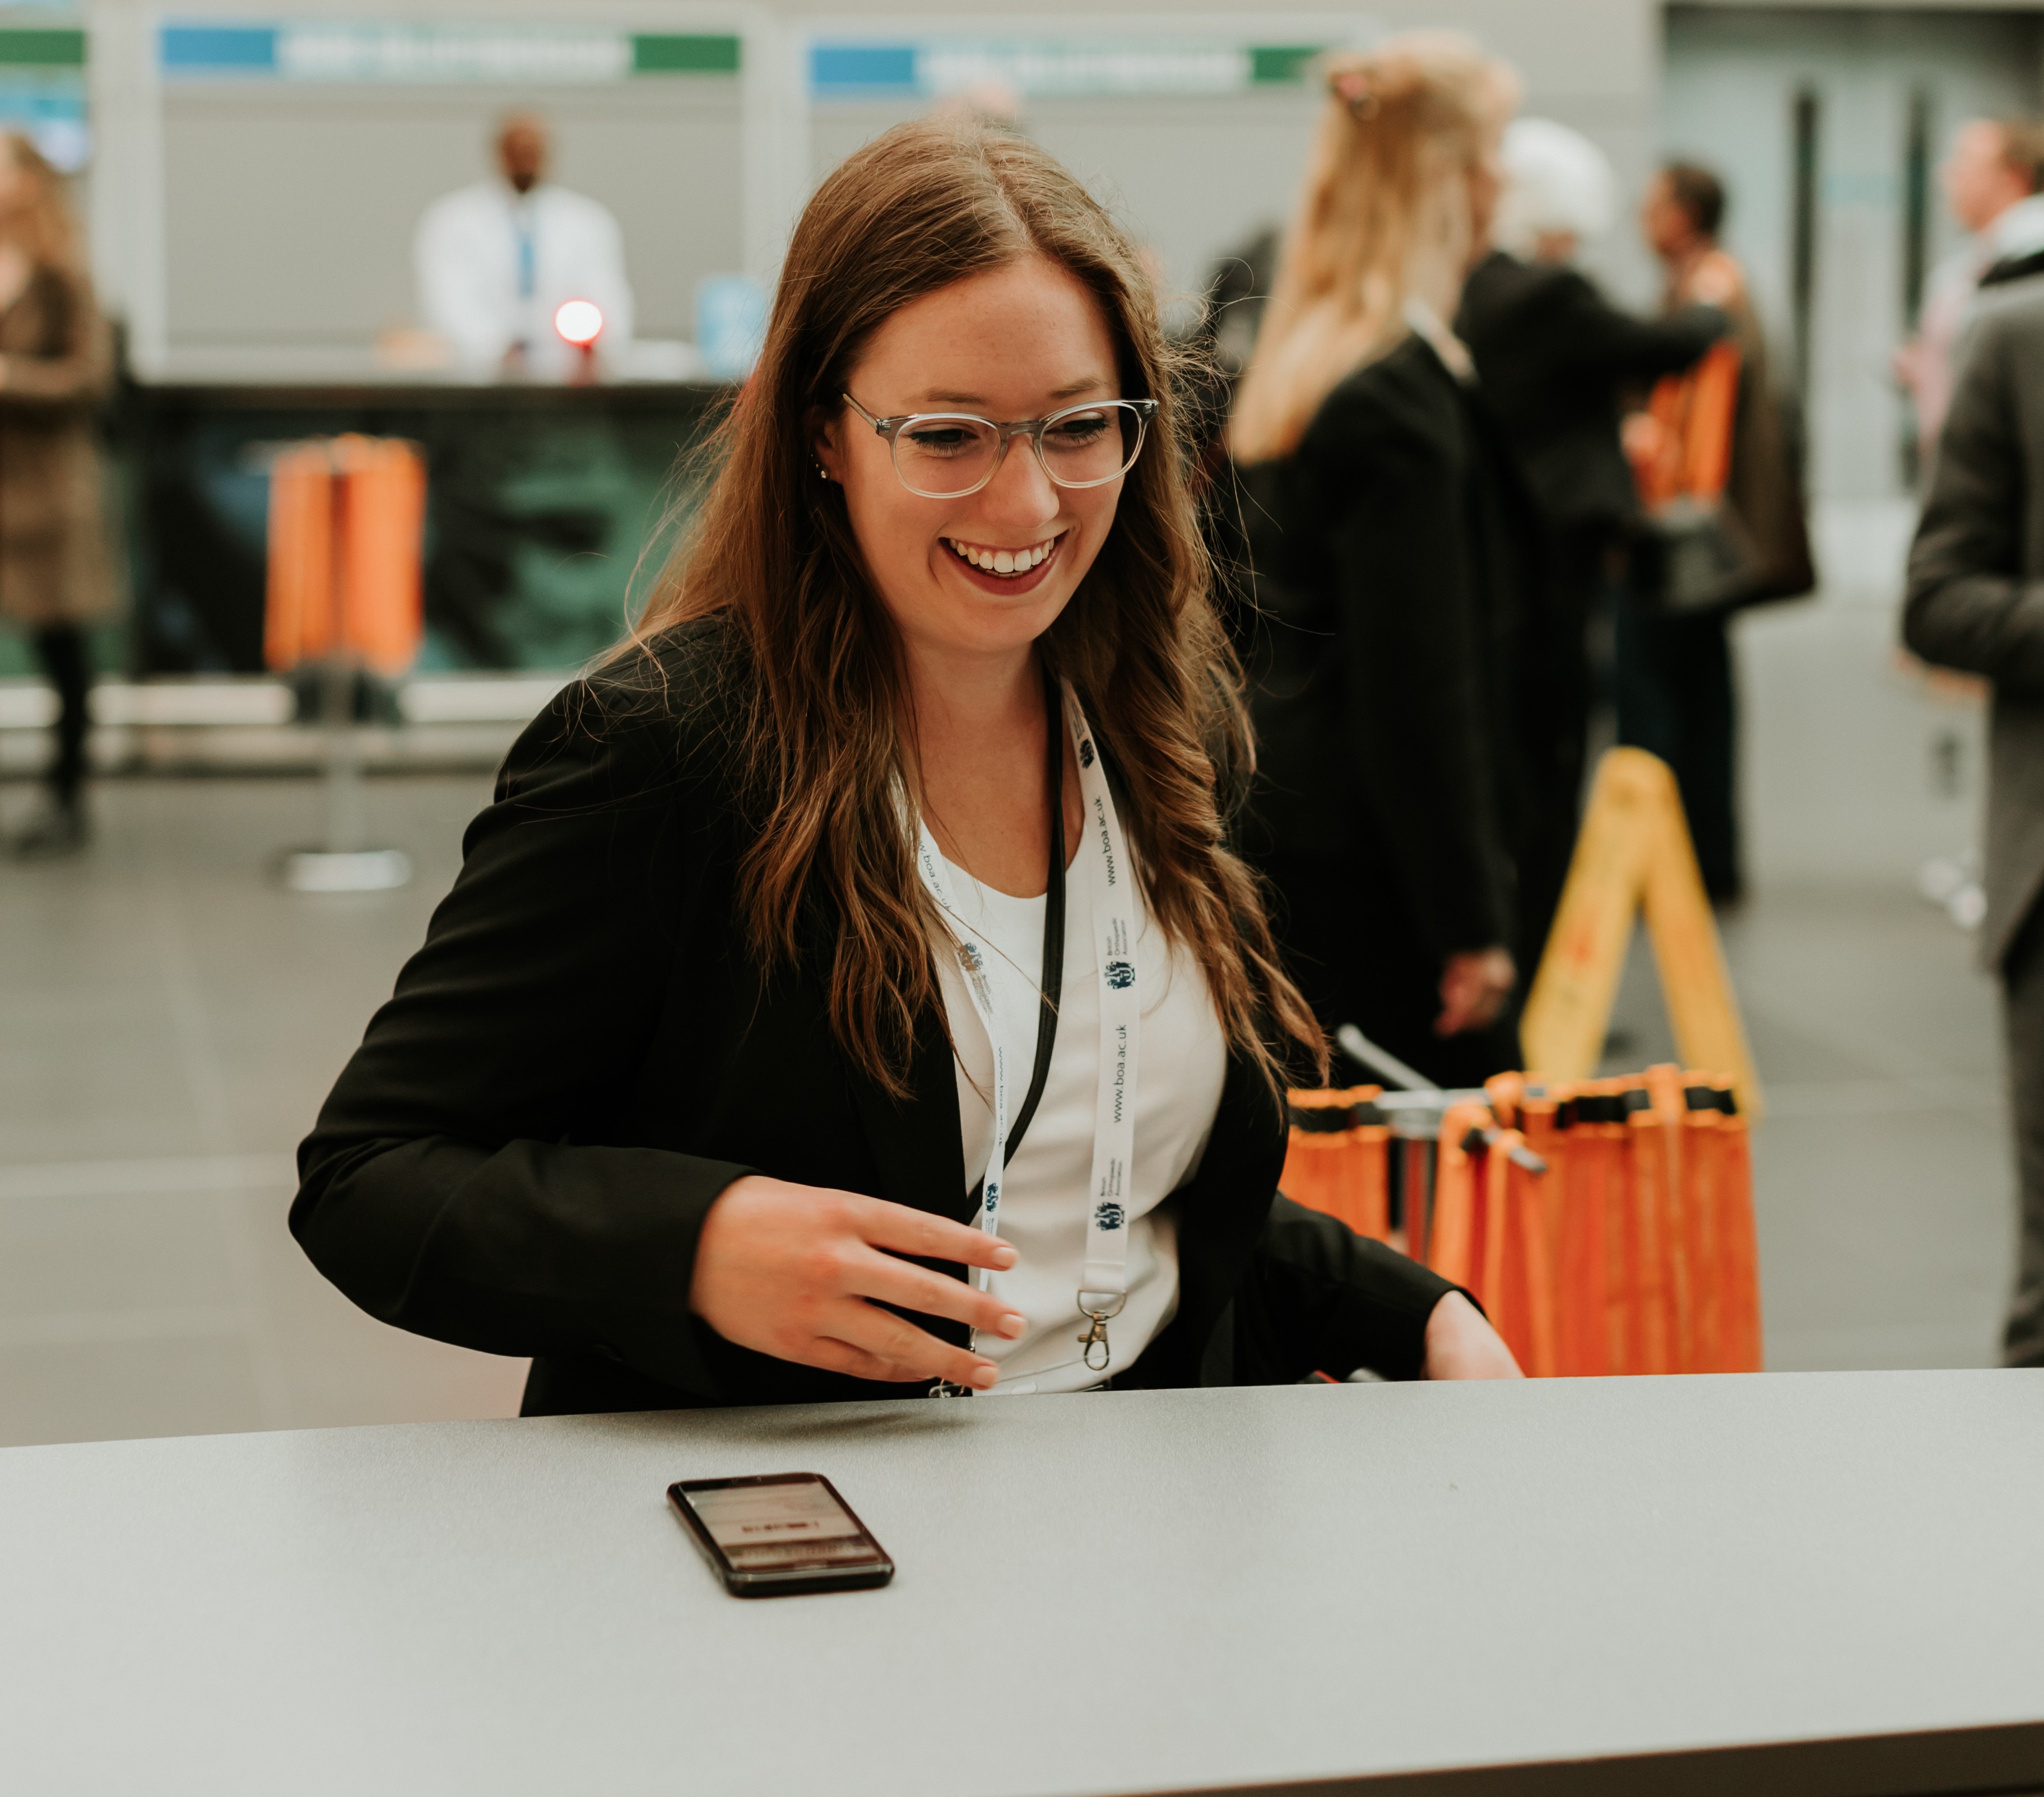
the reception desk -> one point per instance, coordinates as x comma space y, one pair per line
545, 509
1812, 1584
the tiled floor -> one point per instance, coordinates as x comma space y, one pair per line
173, 1018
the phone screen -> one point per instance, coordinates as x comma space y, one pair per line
782, 1531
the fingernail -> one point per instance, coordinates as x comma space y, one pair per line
983, 1375
1011, 1325
1004, 1257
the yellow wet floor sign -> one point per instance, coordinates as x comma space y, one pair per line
1634, 854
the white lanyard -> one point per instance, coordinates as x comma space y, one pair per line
1111, 891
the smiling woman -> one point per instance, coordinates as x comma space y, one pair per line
852, 992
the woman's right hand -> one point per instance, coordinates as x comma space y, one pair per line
800, 1271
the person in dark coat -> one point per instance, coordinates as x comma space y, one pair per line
1556, 358
1396, 562
1675, 688
1974, 575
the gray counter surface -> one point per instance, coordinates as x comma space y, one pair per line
1133, 1592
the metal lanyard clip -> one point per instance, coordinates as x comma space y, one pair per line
1095, 1335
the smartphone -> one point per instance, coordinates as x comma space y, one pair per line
779, 1533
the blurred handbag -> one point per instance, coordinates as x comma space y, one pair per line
1693, 555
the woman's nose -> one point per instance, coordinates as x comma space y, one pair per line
1020, 493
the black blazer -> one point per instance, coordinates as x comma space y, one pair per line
1554, 357
1397, 569
520, 1157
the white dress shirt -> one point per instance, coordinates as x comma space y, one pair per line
495, 265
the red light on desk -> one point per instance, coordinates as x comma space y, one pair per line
579, 321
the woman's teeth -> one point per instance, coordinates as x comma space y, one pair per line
1001, 561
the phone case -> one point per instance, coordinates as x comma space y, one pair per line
866, 1576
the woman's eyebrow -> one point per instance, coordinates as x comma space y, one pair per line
1091, 384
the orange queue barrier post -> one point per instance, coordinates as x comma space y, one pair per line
1717, 1175
1651, 1347
1590, 1184
345, 593
1338, 1158
346, 533
1455, 1223
1606, 1226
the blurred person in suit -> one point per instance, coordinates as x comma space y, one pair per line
1975, 603
1396, 562
1556, 360
495, 261
1991, 180
1673, 654
55, 368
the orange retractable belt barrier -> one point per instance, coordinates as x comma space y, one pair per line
1718, 1180
1339, 1160
1606, 1226
347, 534
1454, 1232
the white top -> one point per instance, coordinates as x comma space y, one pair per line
1044, 1204
495, 265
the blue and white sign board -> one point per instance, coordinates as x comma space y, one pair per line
42, 88
397, 52
1046, 68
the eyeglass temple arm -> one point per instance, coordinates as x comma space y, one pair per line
879, 425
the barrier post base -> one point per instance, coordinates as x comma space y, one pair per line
346, 871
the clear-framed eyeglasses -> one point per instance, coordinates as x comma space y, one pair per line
950, 454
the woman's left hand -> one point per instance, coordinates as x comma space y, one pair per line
1460, 1344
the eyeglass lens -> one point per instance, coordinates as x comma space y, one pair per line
942, 456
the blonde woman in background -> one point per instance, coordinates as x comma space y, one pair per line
1397, 567
54, 369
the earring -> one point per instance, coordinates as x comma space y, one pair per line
823, 474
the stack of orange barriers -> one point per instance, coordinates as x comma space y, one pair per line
347, 532
1606, 1226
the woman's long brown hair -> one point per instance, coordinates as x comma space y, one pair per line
819, 744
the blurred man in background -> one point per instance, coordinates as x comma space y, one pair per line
495, 261
1991, 180
1672, 654
1977, 604
1554, 357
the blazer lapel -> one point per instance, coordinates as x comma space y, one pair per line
916, 1142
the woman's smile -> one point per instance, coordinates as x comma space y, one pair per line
1009, 570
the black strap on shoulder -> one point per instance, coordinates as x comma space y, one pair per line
1053, 978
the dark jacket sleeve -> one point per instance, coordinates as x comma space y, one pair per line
1321, 1298
1592, 337
449, 1187
1412, 657
1969, 606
